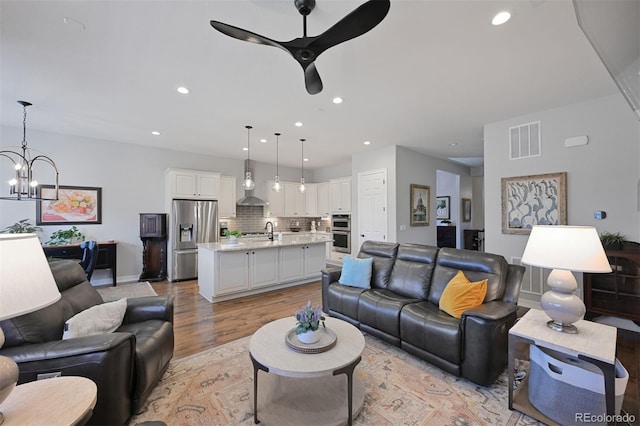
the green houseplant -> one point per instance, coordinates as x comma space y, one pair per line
63, 237
21, 227
612, 240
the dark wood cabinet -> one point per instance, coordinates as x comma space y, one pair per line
471, 239
446, 236
153, 233
616, 293
107, 255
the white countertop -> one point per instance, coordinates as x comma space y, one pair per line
251, 243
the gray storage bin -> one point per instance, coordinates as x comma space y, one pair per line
561, 385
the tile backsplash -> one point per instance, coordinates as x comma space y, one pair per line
251, 219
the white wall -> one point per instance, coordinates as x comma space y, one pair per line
132, 182
602, 175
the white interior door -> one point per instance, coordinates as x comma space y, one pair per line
372, 206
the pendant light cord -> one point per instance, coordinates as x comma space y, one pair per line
302, 162
277, 153
248, 141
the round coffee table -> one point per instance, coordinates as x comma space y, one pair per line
304, 388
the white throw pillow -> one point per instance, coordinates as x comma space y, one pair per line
98, 319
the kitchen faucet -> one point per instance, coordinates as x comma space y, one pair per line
269, 233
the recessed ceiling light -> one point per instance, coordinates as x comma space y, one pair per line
263, 140
306, 159
298, 124
337, 100
453, 144
154, 133
367, 142
182, 90
501, 18
245, 149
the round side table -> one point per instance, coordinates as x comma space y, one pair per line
66, 400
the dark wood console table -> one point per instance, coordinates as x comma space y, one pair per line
107, 255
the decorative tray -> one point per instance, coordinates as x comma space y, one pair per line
327, 341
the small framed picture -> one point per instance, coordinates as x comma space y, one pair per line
466, 209
443, 210
419, 205
75, 205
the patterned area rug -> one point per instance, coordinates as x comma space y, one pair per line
126, 290
215, 387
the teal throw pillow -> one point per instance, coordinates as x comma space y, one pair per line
356, 272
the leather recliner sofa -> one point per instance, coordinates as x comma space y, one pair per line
401, 307
125, 365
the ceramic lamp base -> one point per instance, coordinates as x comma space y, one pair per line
564, 328
560, 303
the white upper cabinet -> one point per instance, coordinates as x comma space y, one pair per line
275, 200
227, 202
294, 200
341, 195
311, 198
324, 199
191, 184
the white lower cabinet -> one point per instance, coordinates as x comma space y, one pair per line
291, 263
263, 266
244, 270
314, 260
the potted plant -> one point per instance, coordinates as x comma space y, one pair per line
21, 227
63, 237
612, 241
232, 235
308, 321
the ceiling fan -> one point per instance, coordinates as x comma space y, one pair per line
306, 49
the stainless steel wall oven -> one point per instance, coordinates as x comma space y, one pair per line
341, 229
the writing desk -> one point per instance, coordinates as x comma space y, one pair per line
107, 255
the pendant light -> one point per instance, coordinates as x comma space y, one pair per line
248, 183
24, 186
302, 188
277, 186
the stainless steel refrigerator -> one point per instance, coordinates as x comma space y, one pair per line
192, 222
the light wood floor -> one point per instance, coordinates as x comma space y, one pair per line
200, 325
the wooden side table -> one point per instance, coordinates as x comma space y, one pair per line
594, 343
66, 400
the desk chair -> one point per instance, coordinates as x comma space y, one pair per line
89, 257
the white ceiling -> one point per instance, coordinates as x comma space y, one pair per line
428, 77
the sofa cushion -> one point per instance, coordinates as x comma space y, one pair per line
476, 266
461, 295
411, 274
384, 255
380, 309
344, 299
425, 326
98, 319
356, 272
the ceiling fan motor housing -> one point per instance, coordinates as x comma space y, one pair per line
305, 6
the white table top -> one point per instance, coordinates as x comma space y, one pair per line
268, 347
595, 340
58, 401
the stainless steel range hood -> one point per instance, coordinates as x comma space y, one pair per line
249, 199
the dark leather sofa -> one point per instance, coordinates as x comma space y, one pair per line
125, 365
401, 307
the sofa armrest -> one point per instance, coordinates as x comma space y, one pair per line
492, 311
485, 332
329, 275
149, 308
68, 348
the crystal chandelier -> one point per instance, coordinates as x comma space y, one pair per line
277, 186
23, 184
248, 183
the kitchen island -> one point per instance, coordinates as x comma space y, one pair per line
255, 265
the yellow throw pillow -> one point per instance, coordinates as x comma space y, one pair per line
460, 294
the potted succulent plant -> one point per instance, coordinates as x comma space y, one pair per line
612, 240
308, 321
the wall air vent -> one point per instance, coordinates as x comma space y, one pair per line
524, 140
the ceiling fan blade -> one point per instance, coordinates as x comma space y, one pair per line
312, 79
245, 35
358, 22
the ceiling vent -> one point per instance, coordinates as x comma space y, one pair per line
524, 140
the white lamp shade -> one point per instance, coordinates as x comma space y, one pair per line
26, 281
573, 248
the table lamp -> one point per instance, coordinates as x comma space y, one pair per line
564, 249
26, 285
